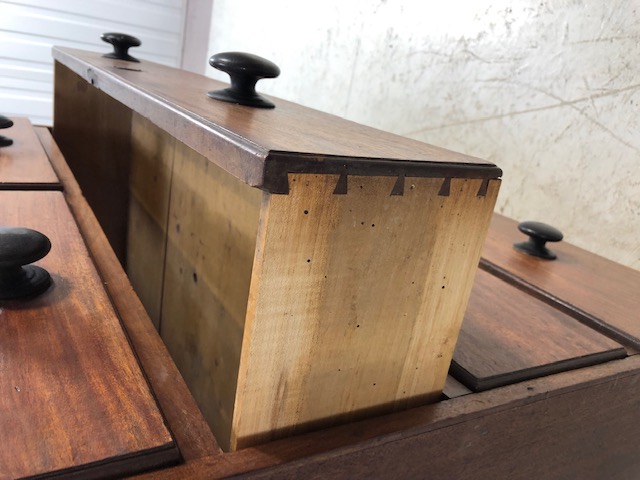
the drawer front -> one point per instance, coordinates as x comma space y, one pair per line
599, 292
24, 164
76, 400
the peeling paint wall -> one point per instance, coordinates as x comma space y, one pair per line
548, 90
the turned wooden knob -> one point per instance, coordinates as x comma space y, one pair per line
244, 69
121, 43
539, 234
18, 248
5, 123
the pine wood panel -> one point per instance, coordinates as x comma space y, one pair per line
599, 292
212, 228
24, 164
353, 309
75, 398
93, 132
502, 342
152, 153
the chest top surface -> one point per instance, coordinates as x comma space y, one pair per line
263, 145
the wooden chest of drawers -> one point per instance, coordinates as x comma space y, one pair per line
545, 374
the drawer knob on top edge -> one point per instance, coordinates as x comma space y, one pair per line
18, 248
5, 123
245, 69
121, 43
539, 234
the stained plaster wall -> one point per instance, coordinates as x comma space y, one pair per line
547, 90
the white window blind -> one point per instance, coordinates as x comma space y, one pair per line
29, 28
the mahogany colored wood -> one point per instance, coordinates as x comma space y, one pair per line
24, 165
503, 342
243, 141
75, 401
189, 429
600, 293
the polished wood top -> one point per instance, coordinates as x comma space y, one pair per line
261, 145
25, 164
509, 336
74, 397
601, 293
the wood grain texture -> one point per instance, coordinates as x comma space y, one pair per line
24, 165
192, 434
597, 291
212, 231
239, 139
152, 153
355, 301
504, 342
75, 398
93, 132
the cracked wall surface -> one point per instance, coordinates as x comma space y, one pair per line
549, 91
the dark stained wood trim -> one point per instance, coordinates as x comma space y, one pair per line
31, 186
279, 164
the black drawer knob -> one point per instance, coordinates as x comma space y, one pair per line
18, 248
5, 123
244, 69
539, 234
121, 43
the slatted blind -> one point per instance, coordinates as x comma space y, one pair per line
29, 28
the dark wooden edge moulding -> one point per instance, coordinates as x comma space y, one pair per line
31, 186
279, 165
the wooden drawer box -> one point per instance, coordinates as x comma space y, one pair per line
287, 257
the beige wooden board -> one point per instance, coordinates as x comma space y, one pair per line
213, 222
356, 300
152, 153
